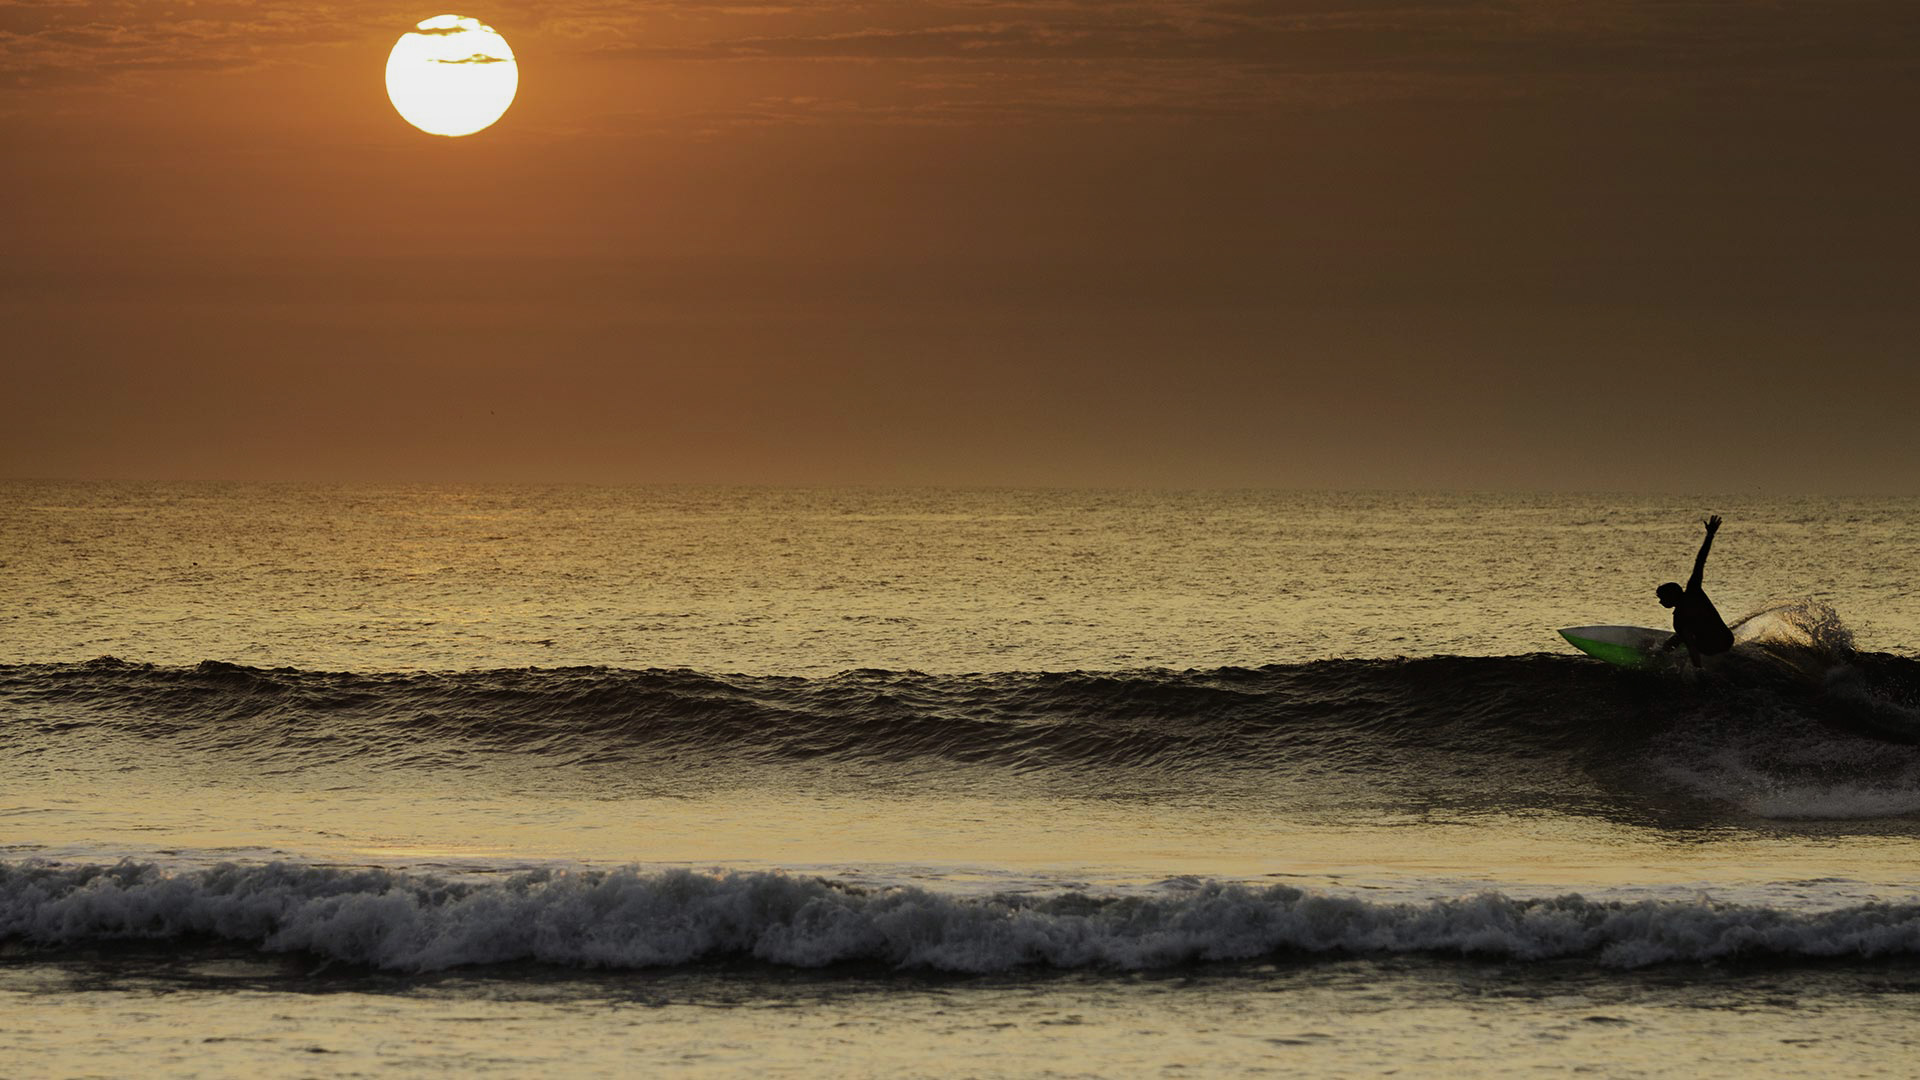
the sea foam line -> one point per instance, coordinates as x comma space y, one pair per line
633, 919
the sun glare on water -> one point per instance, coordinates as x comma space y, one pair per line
452, 75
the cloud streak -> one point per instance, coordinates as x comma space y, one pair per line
63, 44
954, 59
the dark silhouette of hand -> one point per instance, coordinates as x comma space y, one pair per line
1713, 524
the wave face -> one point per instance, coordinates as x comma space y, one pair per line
628, 919
1786, 739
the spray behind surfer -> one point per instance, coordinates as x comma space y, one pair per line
1696, 622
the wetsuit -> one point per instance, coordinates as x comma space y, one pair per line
1696, 621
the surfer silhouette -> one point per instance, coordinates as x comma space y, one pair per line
1696, 622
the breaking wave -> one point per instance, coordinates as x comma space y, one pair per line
628, 919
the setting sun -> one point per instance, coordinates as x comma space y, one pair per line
452, 75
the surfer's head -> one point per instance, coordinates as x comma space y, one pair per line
1670, 594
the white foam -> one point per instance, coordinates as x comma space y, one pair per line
632, 919
1805, 624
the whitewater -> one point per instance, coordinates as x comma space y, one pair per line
509, 780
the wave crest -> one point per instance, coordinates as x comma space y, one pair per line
628, 919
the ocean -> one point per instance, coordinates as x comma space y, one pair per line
305, 780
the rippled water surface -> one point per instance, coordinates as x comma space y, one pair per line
814, 582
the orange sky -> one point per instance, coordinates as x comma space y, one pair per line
1336, 242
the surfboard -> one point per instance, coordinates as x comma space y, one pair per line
1625, 646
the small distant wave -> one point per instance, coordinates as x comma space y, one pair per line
629, 919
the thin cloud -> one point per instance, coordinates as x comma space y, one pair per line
1045, 55
66, 44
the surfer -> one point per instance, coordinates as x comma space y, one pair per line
1696, 622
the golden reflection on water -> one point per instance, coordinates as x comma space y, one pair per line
998, 840
1346, 1018
819, 581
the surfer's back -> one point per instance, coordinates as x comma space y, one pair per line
1698, 623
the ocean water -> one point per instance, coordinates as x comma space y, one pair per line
511, 781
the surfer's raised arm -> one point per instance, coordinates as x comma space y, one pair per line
1700, 560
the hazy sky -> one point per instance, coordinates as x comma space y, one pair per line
1442, 243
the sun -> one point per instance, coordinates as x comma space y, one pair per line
451, 75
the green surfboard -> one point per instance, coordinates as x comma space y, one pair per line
1625, 646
